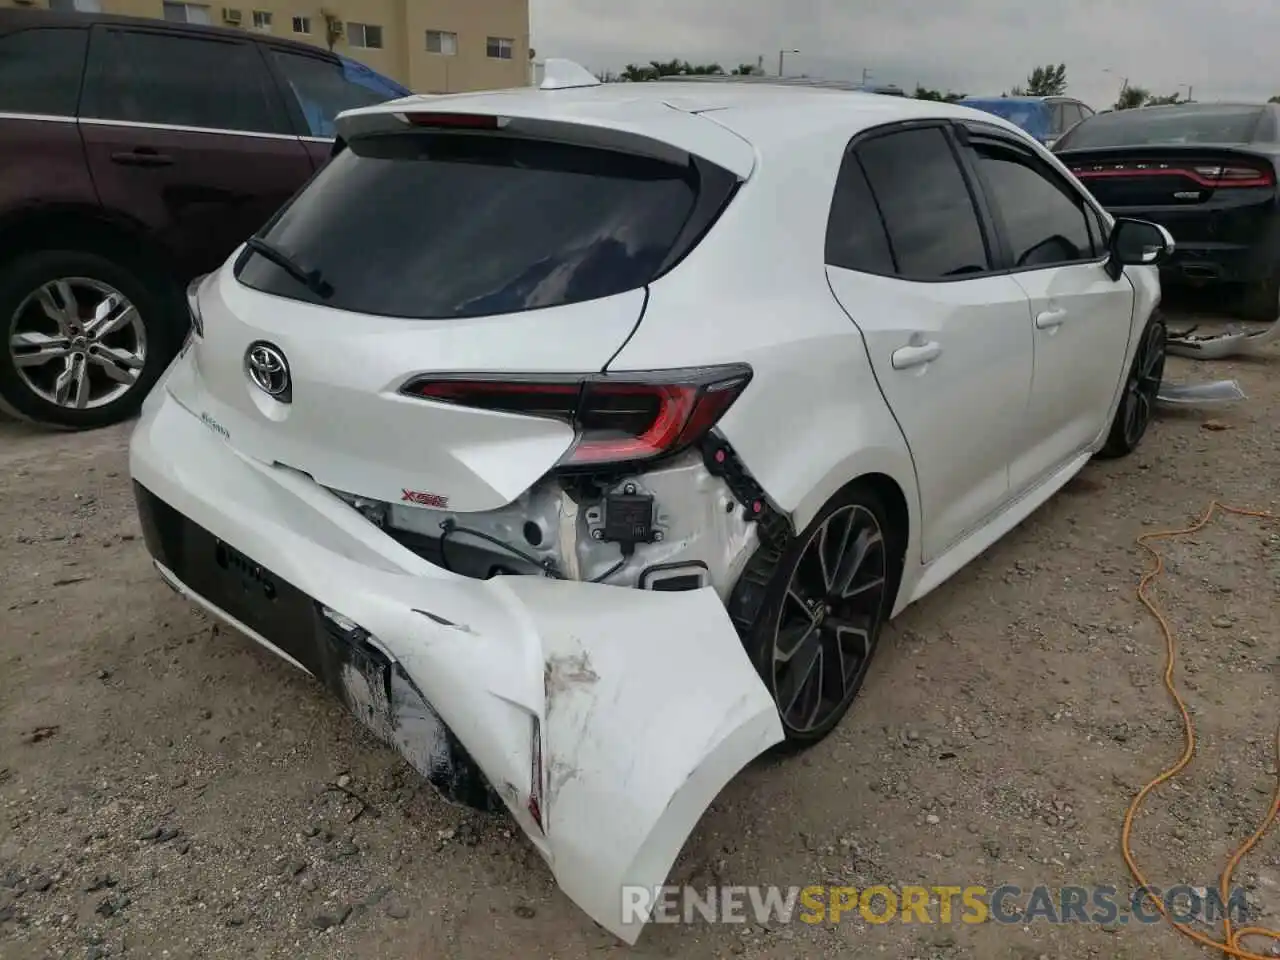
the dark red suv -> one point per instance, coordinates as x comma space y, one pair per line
136, 155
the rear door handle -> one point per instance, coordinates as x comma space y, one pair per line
916, 355
141, 157
1050, 319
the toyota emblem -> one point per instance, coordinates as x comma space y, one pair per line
269, 371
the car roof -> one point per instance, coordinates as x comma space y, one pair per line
1010, 99
726, 123
13, 18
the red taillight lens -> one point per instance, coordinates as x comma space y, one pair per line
466, 121
1209, 175
1233, 176
617, 418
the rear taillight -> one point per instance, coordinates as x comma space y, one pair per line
1210, 175
1235, 176
617, 418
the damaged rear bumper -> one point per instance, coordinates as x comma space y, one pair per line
605, 719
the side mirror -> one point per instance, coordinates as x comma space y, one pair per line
1135, 243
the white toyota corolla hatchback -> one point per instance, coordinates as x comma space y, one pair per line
582, 440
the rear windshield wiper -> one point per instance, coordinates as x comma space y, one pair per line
311, 279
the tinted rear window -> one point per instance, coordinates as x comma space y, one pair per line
1195, 123
1030, 115
436, 226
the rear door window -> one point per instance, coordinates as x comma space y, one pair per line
322, 89
183, 81
928, 211
856, 238
40, 71
444, 225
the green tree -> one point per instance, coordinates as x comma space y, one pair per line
747, 70
1046, 81
925, 93
654, 69
1275, 99
1131, 97
1154, 101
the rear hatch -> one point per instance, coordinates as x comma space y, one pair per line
436, 245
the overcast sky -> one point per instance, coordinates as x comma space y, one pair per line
1223, 48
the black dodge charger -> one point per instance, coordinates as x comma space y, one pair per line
1207, 172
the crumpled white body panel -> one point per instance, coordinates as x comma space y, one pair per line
646, 702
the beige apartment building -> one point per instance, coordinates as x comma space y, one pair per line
431, 46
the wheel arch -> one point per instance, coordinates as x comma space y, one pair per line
891, 475
91, 229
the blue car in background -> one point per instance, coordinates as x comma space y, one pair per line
1045, 118
359, 86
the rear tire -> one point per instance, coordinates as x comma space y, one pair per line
826, 599
1141, 388
84, 338
1261, 301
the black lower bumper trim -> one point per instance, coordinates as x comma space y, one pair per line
386, 699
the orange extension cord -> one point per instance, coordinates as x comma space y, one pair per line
1232, 943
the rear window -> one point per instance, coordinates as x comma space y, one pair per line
447, 225
1153, 126
1030, 115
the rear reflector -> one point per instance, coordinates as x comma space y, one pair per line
617, 418
1209, 175
465, 121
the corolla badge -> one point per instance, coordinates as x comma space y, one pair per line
269, 370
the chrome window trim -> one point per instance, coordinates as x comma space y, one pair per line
46, 117
179, 128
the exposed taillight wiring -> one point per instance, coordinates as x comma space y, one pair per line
535, 776
616, 418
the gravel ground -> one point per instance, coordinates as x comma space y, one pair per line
167, 789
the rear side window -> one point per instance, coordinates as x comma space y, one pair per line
856, 239
928, 212
1044, 223
40, 71
182, 81
438, 226
322, 90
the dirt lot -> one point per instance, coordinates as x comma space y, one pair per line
165, 785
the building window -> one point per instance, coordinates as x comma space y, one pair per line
442, 42
500, 48
186, 13
262, 19
364, 35
301, 24
76, 6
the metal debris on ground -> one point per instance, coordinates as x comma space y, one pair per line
1195, 394
1231, 343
